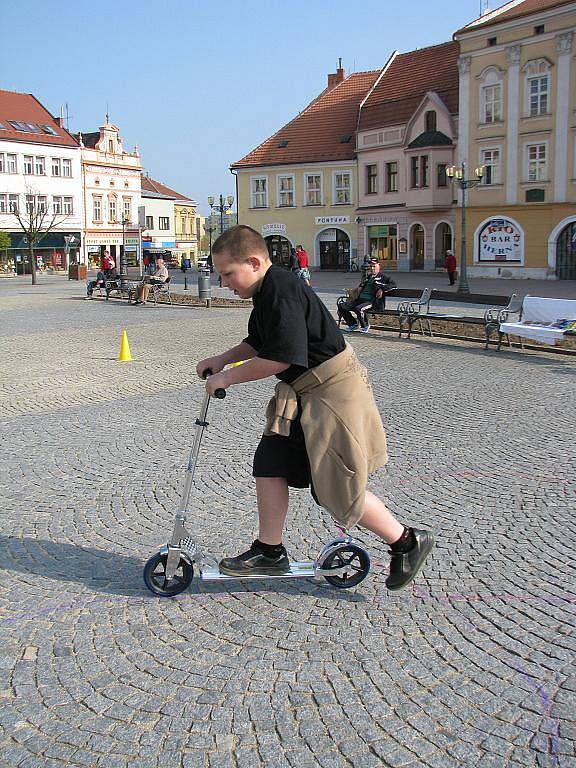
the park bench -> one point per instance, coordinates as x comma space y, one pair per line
416, 311
116, 287
547, 321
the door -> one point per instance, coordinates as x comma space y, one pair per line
334, 250
443, 244
279, 250
566, 253
417, 247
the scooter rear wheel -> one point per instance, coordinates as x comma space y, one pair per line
155, 576
351, 557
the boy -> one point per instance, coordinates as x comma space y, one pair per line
323, 427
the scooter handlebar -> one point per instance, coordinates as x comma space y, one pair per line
219, 394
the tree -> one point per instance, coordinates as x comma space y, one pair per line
5, 242
36, 221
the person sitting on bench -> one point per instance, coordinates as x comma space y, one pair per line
371, 293
107, 272
158, 278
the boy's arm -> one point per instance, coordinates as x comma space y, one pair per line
252, 370
242, 351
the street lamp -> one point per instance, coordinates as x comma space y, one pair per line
68, 241
222, 208
123, 262
209, 229
458, 175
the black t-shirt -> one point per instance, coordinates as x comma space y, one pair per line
289, 324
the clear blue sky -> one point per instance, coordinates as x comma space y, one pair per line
196, 85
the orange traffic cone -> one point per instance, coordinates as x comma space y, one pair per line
125, 355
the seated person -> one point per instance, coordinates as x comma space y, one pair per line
158, 278
371, 294
107, 272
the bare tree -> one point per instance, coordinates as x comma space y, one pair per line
36, 221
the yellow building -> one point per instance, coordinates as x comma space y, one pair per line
300, 185
187, 245
517, 119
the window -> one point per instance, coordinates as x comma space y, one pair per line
430, 120
424, 171
68, 206
537, 166
415, 172
3, 208
149, 222
11, 166
2, 163
492, 101
40, 166
13, 203
259, 192
163, 222
112, 209
97, 209
490, 159
18, 126
67, 168
110, 145
127, 209
342, 188
30, 204
441, 177
57, 204
539, 29
538, 94
392, 177
313, 186
42, 203
28, 164
371, 179
56, 167
285, 191
49, 130
491, 42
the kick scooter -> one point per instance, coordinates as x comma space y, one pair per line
171, 570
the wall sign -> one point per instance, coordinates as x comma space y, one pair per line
332, 220
500, 240
273, 229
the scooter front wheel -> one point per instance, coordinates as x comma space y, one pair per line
355, 562
155, 576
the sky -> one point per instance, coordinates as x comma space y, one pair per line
196, 86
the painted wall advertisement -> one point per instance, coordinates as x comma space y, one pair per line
500, 240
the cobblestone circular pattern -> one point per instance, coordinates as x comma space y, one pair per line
474, 666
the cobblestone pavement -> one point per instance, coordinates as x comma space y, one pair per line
473, 666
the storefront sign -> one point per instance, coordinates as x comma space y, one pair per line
378, 231
104, 240
332, 220
131, 241
273, 229
500, 240
93, 249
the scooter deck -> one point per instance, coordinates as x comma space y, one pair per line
303, 570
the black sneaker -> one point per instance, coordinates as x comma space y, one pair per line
255, 563
405, 566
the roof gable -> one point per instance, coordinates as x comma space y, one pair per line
324, 131
513, 10
157, 189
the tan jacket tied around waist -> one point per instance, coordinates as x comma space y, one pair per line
343, 431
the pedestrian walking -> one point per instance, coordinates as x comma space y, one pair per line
450, 265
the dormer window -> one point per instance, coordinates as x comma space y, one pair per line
430, 121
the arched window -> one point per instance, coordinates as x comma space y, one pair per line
537, 90
491, 95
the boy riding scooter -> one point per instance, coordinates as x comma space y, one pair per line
323, 428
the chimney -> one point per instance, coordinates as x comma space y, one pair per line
337, 77
59, 122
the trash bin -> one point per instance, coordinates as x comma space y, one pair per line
204, 287
77, 272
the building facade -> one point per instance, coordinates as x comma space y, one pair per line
518, 119
170, 218
186, 245
111, 189
40, 176
300, 185
407, 133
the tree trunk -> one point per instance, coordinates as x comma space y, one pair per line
32, 259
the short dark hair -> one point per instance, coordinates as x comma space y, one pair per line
240, 242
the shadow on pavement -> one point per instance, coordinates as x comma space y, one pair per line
115, 573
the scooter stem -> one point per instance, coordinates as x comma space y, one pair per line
201, 424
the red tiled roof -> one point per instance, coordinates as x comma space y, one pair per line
149, 185
512, 10
315, 134
25, 108
407, 80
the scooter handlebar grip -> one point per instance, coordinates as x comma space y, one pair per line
220, 394
206, 372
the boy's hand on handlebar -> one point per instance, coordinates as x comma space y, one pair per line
217, 381
214, 364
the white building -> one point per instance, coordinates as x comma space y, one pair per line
111, 179
159, 236
39, 171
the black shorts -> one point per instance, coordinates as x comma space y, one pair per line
278, 456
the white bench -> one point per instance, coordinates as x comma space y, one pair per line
536, 317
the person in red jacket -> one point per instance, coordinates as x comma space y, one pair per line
450, 265
303, 264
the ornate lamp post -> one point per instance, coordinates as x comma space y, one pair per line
210, 229
458, 175
222, 207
